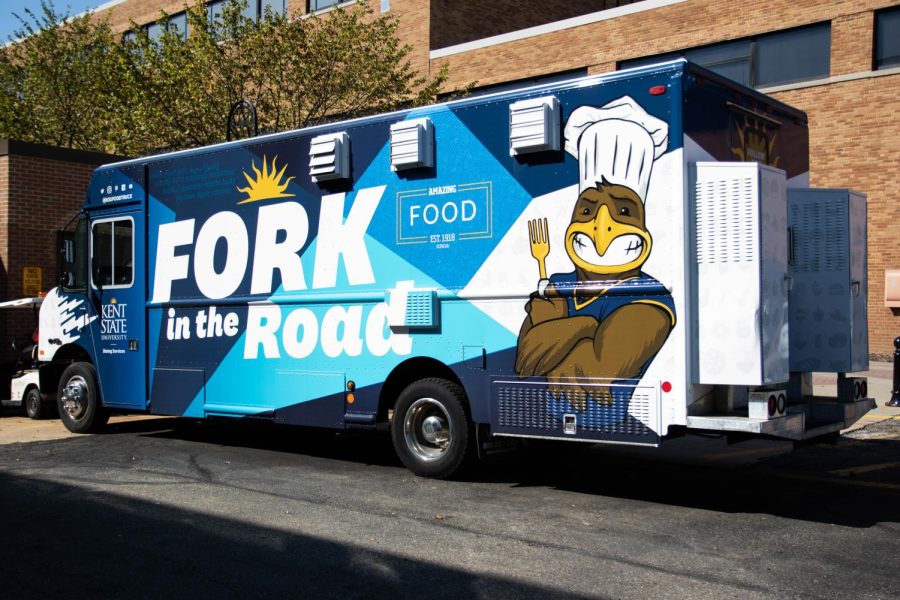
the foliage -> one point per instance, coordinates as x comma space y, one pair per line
73, 83
57, 86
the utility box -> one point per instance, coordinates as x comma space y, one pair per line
741, 259
830, 287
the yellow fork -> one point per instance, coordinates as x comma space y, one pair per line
540, 243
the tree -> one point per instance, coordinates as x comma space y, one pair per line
71, 82
57, 82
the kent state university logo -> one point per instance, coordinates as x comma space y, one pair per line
267, 185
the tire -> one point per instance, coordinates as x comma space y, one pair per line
33, 403
430, 429
78, 399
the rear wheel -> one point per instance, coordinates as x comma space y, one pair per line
79, 401
34, 403
430, 429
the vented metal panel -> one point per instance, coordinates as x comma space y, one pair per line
740, 215
819, 236
828, 324
329, 157
727, 220
412, 144
534, 125
419, 309
528, 408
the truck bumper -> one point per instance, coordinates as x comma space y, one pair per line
818, 417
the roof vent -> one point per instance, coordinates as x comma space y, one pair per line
329, 157
534, 125
412, 144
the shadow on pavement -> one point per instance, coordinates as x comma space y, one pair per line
67, 542
854, 483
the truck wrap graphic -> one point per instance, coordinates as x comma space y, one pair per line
549, 293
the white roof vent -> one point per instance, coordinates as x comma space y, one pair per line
329, 157
412, 144
534, 125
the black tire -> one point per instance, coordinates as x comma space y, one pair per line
33, 403
78, 399
430, 429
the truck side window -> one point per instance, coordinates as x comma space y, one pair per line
112, 252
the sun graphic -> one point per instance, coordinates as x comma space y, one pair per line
267, 184
755, 144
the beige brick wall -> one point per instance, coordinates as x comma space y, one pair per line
855, 142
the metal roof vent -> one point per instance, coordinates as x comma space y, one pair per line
329, 157
412, 144
534, 125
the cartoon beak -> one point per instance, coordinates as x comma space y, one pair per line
606, 229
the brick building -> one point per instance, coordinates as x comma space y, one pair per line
41, 188
838, 60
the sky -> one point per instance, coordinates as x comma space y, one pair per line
8, 23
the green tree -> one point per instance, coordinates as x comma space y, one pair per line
296, 73
57, 82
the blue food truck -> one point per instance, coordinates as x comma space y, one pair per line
617, 258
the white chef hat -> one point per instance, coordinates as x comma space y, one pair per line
617, 142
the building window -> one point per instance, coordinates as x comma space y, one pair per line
887, 38
276, 6
771, 59
315, 5
251, 10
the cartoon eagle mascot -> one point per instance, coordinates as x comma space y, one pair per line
606, 320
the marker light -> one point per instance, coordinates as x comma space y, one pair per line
657, 90
666, 387
351, 398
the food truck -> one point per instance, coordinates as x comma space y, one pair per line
617, 258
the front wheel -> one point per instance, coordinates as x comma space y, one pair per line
79, 403
430, 429
34, 404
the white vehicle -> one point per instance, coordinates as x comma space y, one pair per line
25, 386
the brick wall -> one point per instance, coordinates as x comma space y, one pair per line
38, 195
458, 21
854, 135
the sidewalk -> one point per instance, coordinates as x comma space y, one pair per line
880, 375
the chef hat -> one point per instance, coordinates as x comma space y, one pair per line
617, 142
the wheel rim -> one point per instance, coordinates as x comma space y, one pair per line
426, 429
74, 397
32, 403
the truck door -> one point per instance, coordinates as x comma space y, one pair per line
117, 291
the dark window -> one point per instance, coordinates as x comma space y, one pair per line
730, 59
887, 38
320, 4
112, 253
215, 9
155, 31
771, 59
178, 22
276, 6
795, 55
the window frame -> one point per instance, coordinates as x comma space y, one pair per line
875, 31
112, 286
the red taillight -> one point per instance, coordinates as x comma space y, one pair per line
657, 90
35, 336
864, 389
666, 387
772, 405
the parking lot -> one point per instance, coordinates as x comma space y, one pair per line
160, 507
